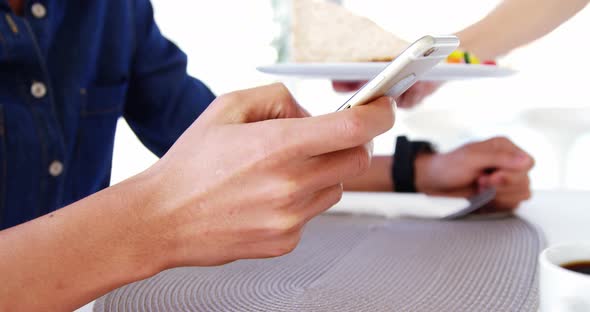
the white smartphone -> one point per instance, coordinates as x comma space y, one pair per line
405, 69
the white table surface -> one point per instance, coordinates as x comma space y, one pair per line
563, 216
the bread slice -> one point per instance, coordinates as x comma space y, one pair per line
326, 32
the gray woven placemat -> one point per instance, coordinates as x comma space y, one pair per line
347, 263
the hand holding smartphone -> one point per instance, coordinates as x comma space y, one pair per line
405, 69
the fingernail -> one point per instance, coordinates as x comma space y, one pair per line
392, 102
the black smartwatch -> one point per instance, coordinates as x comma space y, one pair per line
403, 168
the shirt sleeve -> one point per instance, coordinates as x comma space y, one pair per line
163, 100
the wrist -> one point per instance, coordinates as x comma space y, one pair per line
172, 224
477, 44
422, 175
145, 223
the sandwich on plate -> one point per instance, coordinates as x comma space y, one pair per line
324, 31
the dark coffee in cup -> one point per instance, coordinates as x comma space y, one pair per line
578, 266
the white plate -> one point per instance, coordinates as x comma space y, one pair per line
366, 71
393, 205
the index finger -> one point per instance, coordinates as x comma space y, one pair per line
342, 130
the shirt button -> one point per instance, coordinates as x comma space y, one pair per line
56, 168
38, 89
38, 10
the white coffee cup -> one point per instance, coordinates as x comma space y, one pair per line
563, 290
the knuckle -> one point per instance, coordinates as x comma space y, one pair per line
336, 194
281, 89
280, 250
502, 140
283, 96
353, 125
499, 143
289, 191
289, 248
229, 98
285, 246
362, 159
330, 198
276, 251
291, 243
284, 224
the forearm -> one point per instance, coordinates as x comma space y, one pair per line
65, 259
514, 23
376, 179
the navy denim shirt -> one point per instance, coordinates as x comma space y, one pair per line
68, 70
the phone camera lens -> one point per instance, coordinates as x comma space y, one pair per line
429, 52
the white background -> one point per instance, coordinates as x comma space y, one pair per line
226, 39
